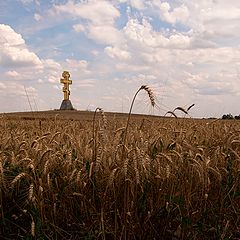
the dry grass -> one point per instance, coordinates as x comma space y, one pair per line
179, 178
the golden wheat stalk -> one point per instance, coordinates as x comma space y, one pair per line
104, 118
112, 175
136, 168
94, 133
30, 193
150, 94
152, 100
98, 158
33, 228
45, 153
45, 167
18, 178
2, 180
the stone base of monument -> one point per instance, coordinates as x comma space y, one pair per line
66, 105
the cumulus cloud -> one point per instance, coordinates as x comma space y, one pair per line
16, 94
115, 52
98, 12
100, 18
177, 14
138, 4
16, 89
216, 21
143, 33
13, 50
51, 64
78, 65
140, 78
206, 84
104, 34
52, 71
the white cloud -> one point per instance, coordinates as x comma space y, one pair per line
98, 12
100, 16
141, 79
217, 21
26, 1
53, 79
85, 83
82, 64
108, 98
143, 33
16, 89
78, 66
127, 67
79, 28
13, 50
10, 37
115, 52
52, 71
138, 4
205, 84
178, 14
51, 64
37, 17
104, 34
95, 52
3, 86
13, 74
220, 12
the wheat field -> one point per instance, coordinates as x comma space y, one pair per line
163, 178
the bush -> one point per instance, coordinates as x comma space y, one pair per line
227, 116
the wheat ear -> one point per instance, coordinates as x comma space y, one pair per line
2, 180
152, 100
17, 178
33, 228
94, 135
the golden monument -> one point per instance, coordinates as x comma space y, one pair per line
66, 103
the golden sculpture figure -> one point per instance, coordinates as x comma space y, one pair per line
66, 81
66, 103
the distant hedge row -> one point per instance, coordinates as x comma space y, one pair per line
230, 116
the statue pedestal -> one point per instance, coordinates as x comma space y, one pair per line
66, 105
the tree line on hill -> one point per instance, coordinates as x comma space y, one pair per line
230, 116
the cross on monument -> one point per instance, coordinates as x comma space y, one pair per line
66, 103
66, 81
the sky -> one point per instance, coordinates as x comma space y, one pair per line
186, 51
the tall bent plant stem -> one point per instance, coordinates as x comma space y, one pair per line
128, 119
126, 185
126, 188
